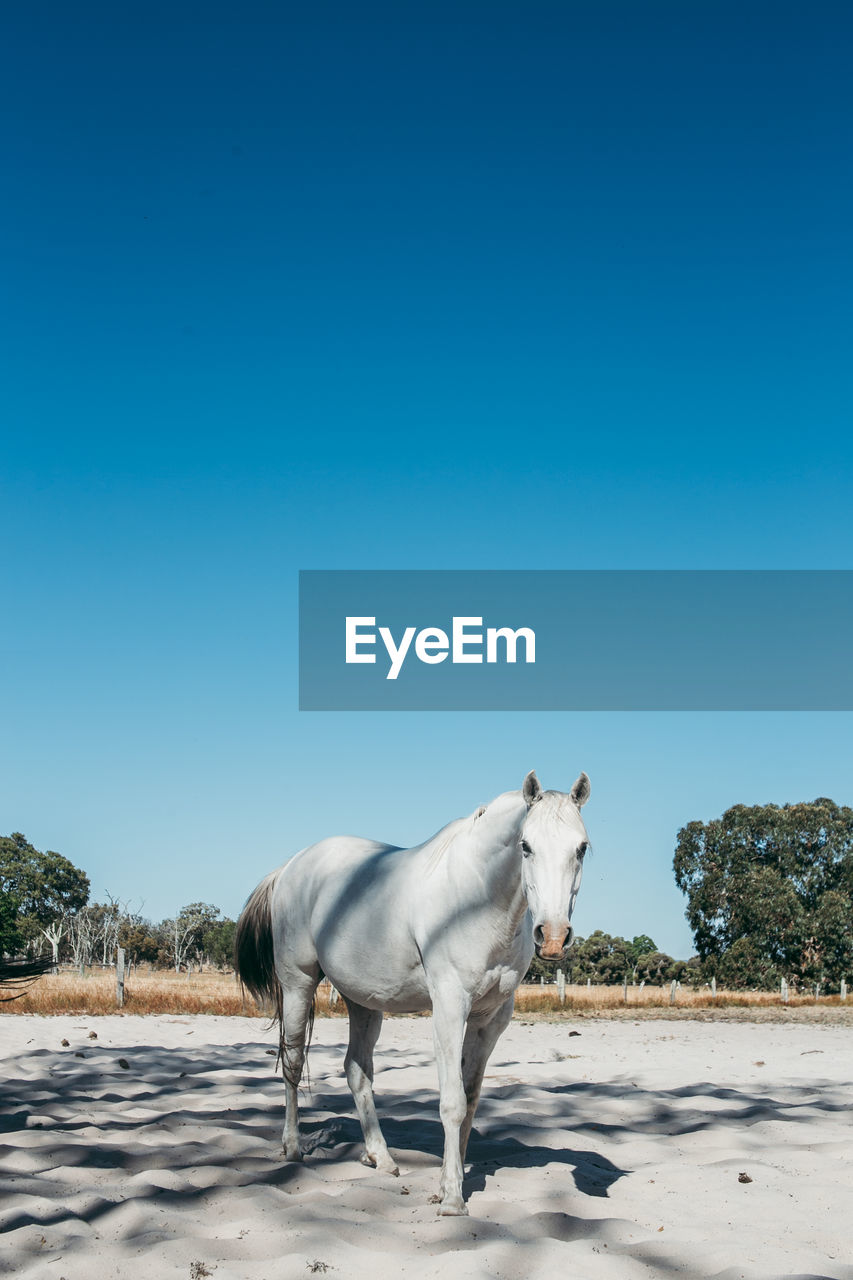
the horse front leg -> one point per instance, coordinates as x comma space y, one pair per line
481, 1036
448, 1019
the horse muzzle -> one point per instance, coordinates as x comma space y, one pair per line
552, 943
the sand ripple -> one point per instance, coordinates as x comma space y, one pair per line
613, 1154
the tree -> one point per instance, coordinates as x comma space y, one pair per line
37, 890
110, 916
600, 957
770, 892
54, 933
11, 940
655, 967
187, 930
82, 935
139, 939
744, 965
218, 942
640, 945
607, 959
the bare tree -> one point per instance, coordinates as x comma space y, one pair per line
182, 937
82, 934
187, 929
115, 913
96, 926
53, 932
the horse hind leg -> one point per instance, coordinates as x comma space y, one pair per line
296, 1012
364, 1028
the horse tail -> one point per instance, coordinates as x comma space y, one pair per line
18, 974
254, 961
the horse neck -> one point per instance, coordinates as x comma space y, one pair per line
496, 853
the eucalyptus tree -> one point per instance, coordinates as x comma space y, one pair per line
37, 890
770, 891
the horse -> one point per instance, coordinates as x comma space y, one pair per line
450, 925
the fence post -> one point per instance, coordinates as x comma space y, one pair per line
589, 982
843, 988
625, 989
713, 988
120, 976
672, 992
333, 996
784, 990
561, 986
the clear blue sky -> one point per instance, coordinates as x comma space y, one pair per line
472, 285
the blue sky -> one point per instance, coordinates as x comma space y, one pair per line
486, 286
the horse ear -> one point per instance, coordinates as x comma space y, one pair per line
580, 791
532, 788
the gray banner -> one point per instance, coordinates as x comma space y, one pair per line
575, 640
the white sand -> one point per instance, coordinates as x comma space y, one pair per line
614, 1153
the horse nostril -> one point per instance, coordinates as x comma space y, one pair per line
569, 937
538, 935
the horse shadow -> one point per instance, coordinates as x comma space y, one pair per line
413, 1139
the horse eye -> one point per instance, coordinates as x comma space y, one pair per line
582, 848
526, 849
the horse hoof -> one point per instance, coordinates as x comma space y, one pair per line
383, 1163
449, 1209
292, 1157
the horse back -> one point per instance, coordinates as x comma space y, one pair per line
349, 902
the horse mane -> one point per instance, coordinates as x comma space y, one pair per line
444, 839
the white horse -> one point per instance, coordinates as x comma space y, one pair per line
451, 925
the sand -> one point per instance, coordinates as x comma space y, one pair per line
613, 1153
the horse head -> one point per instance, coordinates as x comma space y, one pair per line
553, 844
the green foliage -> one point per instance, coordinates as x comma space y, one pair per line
655, 967
688, 972
197, 918
182, 939
770, 892
642, 945
599, 957
744, 966
36, 890
139, 939
608, 960
218, 942
11, 940
541, 969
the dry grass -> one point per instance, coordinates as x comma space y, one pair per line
151, 992
158, 992
654, 1002
145, 992
533, 998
